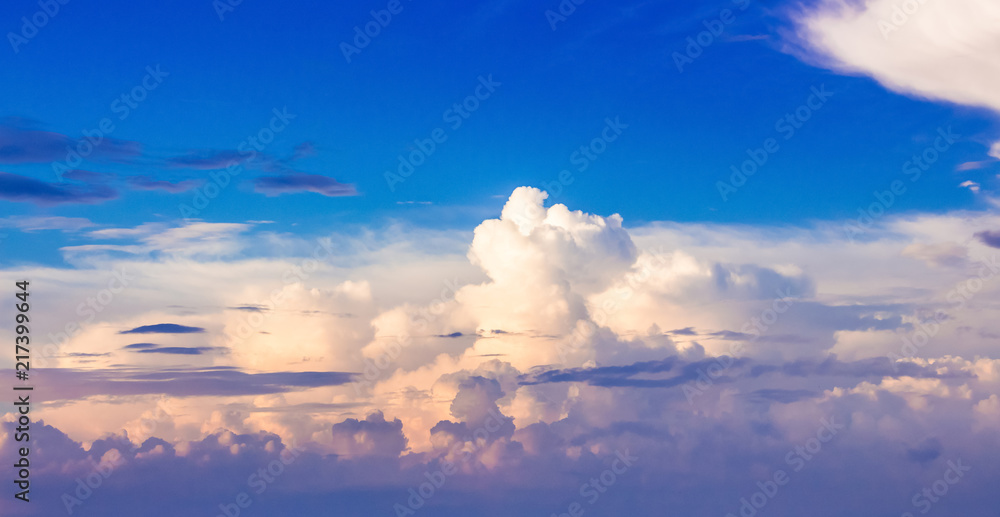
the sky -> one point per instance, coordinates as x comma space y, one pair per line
502, 257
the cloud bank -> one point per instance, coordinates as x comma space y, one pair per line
676, 366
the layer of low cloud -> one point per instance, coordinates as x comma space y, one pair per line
561, 339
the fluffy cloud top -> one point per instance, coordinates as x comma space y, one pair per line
698, 358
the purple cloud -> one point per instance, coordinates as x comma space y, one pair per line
301, 182
629, 452
206, 160
164, 328
14, 187
87, 176
76, 384
148, 183
19, 145
304, 150
683, 372
179, 350
22, 143
371, 436
990, 238
134, 346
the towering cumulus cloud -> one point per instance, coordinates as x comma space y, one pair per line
664, 368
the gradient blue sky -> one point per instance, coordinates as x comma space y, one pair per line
558, 86
515, 313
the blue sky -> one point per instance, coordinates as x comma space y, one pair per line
557, 87
499, 257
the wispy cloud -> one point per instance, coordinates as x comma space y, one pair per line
148, 183
39, 223
76, 384
14, 187
22, 142
180, 350
301, 182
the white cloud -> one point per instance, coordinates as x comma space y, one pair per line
541, 287
943, 50
936, 49
38, 223
971, 185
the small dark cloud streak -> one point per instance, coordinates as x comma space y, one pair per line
14, 187
75, 384
301, 182
164, 328
731, 368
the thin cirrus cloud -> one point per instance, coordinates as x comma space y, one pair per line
153, 348
21, 142
15, 187
149, 183
164, 328
206, 160
76, 384
216, 159
140, 346
179, 350
301, 182
304, 150
85, 176
87, 188
38, 223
